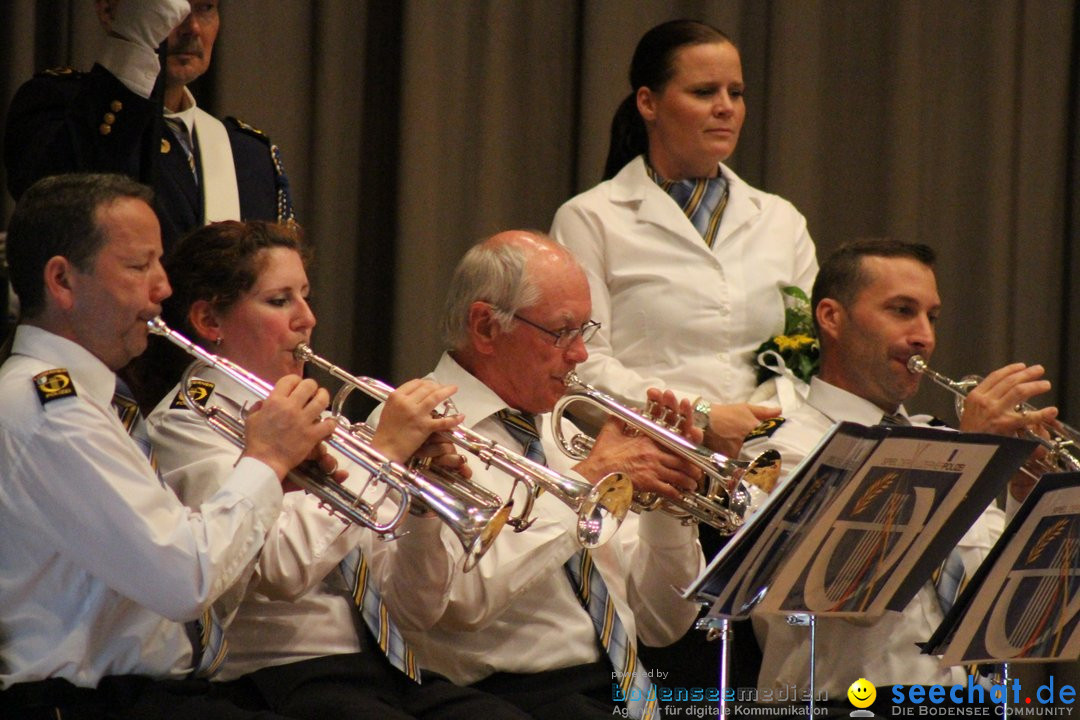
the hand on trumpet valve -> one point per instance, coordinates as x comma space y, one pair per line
652, 469
321, 462
409, 419
440, 453
999, 403
664, 409
285, 429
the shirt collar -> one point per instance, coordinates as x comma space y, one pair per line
475, 400
837, 404
93, 378
187, 115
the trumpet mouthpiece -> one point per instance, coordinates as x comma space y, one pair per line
157, 326
916, 364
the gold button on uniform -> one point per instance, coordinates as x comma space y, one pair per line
165, 146
116, 106
105, 129
109, 118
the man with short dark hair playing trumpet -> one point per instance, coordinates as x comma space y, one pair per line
100, 565
875, 305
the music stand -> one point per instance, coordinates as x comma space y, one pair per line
1015, 609
912, 492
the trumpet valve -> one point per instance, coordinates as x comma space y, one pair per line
662, 415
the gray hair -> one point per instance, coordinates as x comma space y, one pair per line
491, 273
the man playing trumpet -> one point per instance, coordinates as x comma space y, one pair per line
100, 564
515, 323
875, 305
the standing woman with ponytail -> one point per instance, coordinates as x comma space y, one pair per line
686, 262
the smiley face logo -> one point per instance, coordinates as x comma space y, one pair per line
862, 693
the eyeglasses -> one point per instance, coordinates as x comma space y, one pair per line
565, 337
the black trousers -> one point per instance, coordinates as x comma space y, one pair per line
582, 692
361, 685
127, 697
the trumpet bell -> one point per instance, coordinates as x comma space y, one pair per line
484, 526
602, 511
763, 471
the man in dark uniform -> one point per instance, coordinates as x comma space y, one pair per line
111, 119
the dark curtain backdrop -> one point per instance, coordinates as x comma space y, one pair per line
412, 128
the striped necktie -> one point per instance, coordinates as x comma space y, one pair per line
702, 199
634, 686
207, 634
376, 615
133, 421
522, 427
180, 132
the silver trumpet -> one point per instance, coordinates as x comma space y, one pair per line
720, 501
1062, 454
475, 524
600, 508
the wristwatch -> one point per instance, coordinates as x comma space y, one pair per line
702, 410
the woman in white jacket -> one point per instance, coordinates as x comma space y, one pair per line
686, 262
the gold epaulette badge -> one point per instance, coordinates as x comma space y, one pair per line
53, 385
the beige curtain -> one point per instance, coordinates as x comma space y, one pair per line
412, 128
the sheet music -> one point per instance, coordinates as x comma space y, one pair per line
1024, 603
909, 495
861, 523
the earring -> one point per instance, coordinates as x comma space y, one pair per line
218, 340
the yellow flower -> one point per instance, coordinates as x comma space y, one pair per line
793, 342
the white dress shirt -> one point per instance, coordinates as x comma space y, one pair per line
884, 653
299, 605
100, 564
517, 611
676, 314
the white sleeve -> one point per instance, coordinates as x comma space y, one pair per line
98, 502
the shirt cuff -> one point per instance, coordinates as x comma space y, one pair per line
258, 483
660, 529
137, 67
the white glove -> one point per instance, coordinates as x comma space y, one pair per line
147, 22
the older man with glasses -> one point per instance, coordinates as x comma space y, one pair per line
515, 323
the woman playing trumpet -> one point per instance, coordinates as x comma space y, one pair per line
299, 645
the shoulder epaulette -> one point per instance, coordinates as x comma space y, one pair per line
286, 213
198, 390
60, 72
53, 385
765, 429
249, 129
